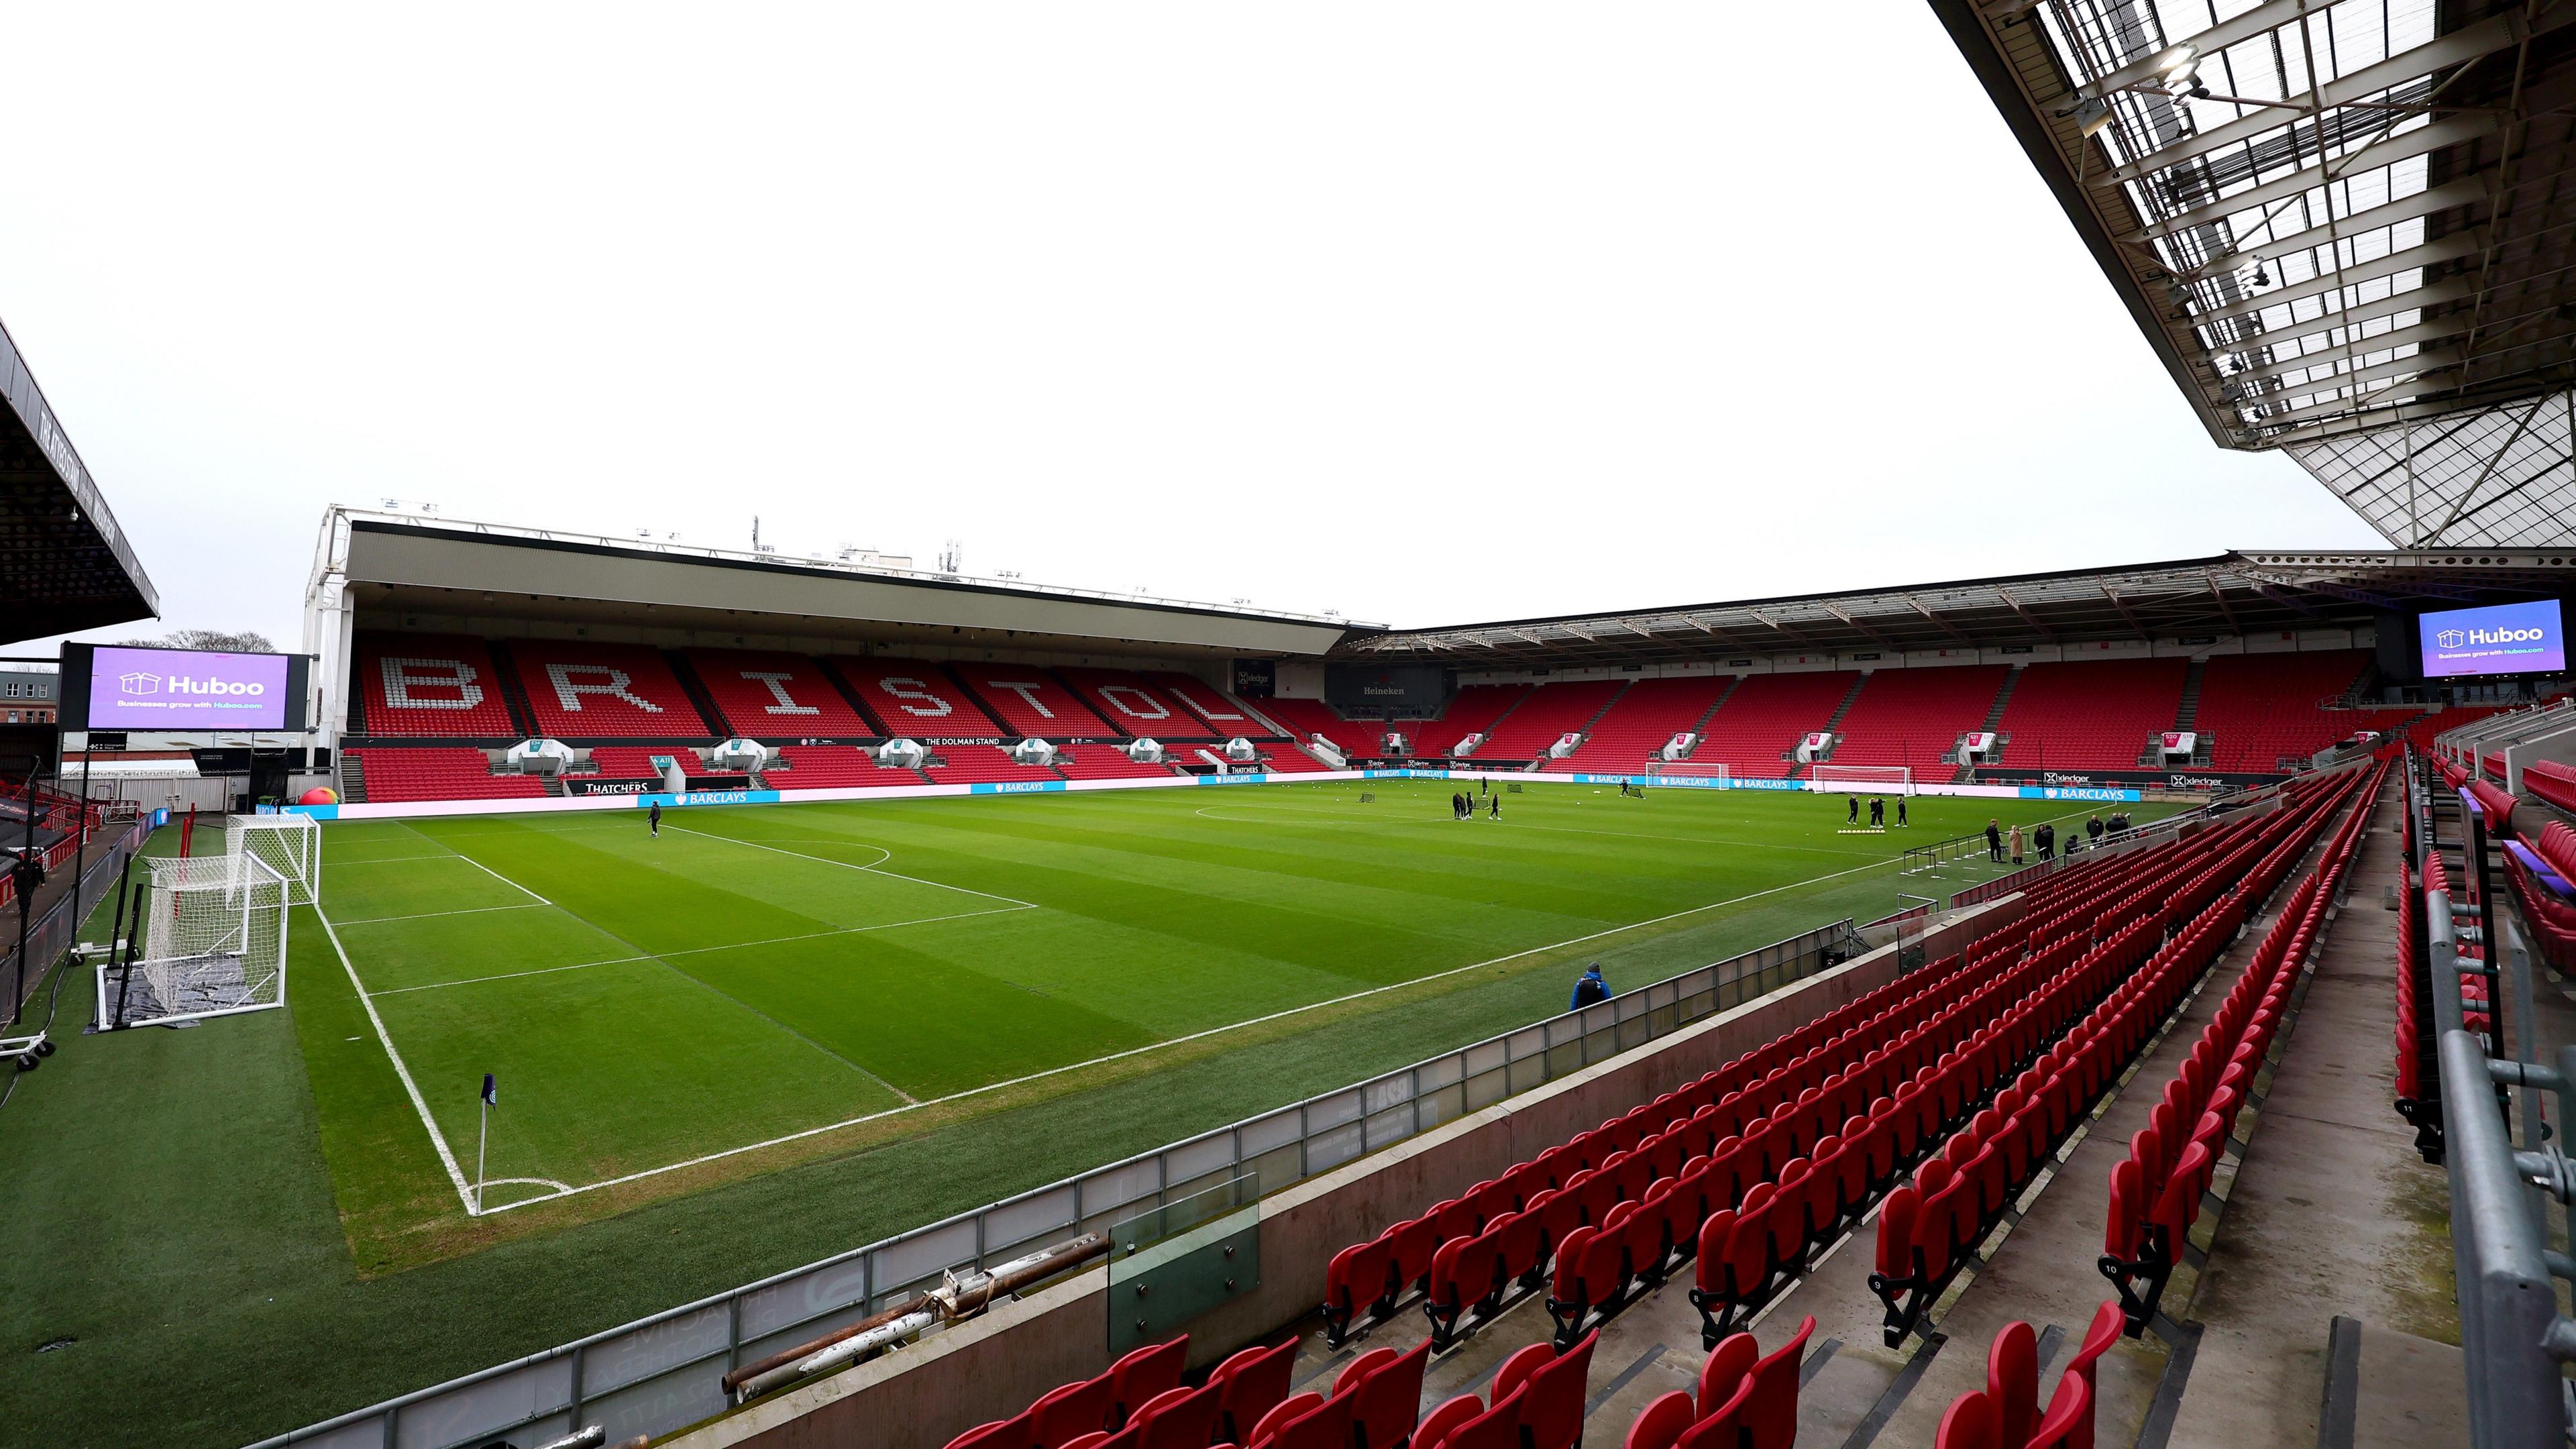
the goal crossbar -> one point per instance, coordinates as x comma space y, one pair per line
1872, 779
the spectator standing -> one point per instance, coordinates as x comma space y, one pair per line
2016, 845
1589, 988
1994, 842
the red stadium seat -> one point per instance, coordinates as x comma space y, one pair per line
428, 685
616, 691
769, 696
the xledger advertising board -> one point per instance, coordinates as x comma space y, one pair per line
180, 690
2500, 639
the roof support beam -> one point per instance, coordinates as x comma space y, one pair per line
2471, 42
2413, 299
2206, 44
2421, 141
2469, 191
2467, 242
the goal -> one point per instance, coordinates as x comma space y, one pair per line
212, 942
1862, 779
290, 845
1687, 770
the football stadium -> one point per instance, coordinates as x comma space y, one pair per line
604, 989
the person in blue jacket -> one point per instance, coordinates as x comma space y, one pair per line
1589, 988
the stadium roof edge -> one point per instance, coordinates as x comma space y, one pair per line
64, 561
2230, 594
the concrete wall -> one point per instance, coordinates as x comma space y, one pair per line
991, 1367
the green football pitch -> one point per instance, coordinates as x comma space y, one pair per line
756, 976
952, 1000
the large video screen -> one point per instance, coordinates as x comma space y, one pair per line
2500, 639
188, 689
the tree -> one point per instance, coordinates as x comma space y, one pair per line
248, 641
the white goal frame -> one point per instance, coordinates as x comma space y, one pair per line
1688, 770
213, 943
290, 845
1832, 779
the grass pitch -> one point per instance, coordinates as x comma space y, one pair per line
777, 1032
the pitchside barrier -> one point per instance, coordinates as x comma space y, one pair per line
666, 1371
389, 810
54, 932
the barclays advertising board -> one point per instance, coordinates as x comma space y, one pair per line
2079, 792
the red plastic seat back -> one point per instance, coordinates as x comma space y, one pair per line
1771, 1419
1969, 1423
1724, 1428
1069, 1411
2068, 1424
1179, 1418
2012, 1381
1281, 1415
1497, 1428
1010, 1433
1389, 1397
1253, 1383
1729, 1368
1663, 1423
1552, 1406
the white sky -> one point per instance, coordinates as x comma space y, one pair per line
1432, 313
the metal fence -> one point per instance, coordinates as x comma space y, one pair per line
663, 1372
51, 934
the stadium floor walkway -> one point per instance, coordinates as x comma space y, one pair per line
1858, 1392
2332, 1213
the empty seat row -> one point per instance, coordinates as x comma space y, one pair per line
1643, 719
2553, 782
2097, 715
431, 773
1551, 712
2156, 1191
1139, 1402
1912, 717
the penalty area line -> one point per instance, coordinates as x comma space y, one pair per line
1213, 1031
876, 869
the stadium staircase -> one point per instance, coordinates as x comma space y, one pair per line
353, 779
695, 690
1699, 730
1466, 715
966, 694
2188, 709
876, 728
1099, 707
1798, 769
505, 671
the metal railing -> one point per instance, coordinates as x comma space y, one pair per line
2514, 1341
665, 1371
55, 932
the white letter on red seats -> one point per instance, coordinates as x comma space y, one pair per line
778, 690
402, 676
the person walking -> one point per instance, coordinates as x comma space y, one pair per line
1589, 988
2016, 845
1877, 812
656, 820
1994, 841
1900, 812
1494, 808
1852, 816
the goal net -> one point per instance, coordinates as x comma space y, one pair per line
290, 845
1687, 770
1864, 779
213, 942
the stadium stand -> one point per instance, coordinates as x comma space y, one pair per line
767, 696
1360, 739
833, 767
1031, 701
1550, 712
604, 691
1473, 710
2097, 715
1105, 762
981, 764
427, 773
1912, 717
2262, 709
1136, 706
1641, 721
1760, 723
915, 697
429, 686
2553, 782
1226, 715
1280, 757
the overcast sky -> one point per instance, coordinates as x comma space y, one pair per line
1429, 313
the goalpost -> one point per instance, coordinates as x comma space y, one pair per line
290, 845
211, 942
1687, 770
1832, 779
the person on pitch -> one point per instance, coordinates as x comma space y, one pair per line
1994, 841
1589, 988
1852, 815
1877, 812
656, 820
1494, 810
1900, 812
2016, 844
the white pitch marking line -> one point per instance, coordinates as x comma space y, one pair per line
703, 950
870, 869
395, 860
1173, 1041
427, 915
478, 865
456, 1175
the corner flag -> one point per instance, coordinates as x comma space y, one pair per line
491, 1091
